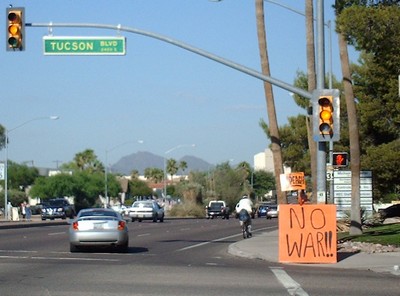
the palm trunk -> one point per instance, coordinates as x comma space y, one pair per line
355, 224
312, 145
269, 97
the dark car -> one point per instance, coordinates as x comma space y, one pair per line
390, 212
57, 208
262, 211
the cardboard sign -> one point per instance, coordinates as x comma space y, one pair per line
292, 181
307, 234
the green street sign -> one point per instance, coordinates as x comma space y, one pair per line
64, 45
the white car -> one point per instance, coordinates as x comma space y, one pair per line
120, 209
146, 210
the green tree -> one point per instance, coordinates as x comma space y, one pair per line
172, 168
384, 161
21, 176
2, 136
85, 161
263, 182
154, 174
139, 188
368, 26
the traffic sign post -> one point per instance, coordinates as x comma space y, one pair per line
73, 45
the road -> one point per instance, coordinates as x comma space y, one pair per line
177, 257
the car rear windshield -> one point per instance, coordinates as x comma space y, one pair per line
142, 205
216, 205
99, 214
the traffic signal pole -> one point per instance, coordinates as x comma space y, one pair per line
321, 149
231, 64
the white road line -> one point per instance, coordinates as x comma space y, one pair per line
59, 258
56, 233
17, 251
217, 240
144, 234
290, 284
76, 258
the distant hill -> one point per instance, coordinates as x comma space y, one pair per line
141, 160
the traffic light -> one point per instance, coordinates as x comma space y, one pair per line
326, 115
15, 29
340, 159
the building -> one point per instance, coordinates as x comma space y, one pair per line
264, 161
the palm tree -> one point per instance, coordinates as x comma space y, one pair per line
310, 48
354, 137
172, 168
269, 97
87, 160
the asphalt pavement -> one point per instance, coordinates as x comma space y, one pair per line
264, 246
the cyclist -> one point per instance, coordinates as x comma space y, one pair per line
245, 209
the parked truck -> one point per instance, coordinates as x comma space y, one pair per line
217, 208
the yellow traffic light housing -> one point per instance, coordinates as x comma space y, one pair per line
15, 29
325, 108
326, 115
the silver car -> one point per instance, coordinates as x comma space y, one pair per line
272, 211
146, 210
98, 227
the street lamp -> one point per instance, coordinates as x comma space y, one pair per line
328, 25
107, 167
7, 132
165, 163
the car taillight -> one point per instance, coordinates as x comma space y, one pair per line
121, 225
75, 225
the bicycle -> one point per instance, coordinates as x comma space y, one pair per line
246, 229
245, 223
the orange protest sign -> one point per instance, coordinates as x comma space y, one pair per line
292, 181
307, 234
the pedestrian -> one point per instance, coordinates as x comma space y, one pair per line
302, 197
28, 212
23, 210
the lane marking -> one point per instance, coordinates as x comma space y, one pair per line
219, 239
56, 233
290, 284
144, 234
59, 258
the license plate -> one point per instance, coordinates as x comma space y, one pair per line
98, 226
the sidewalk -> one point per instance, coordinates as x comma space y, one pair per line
264, 246
34, 222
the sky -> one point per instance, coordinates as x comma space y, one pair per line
167, 98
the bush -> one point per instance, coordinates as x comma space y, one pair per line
187, 210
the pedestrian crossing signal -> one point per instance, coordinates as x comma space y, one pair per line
340, 159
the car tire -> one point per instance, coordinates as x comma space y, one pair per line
123, 248
73, 248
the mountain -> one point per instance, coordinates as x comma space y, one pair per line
141, 160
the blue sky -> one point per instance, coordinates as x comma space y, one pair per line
157, 92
